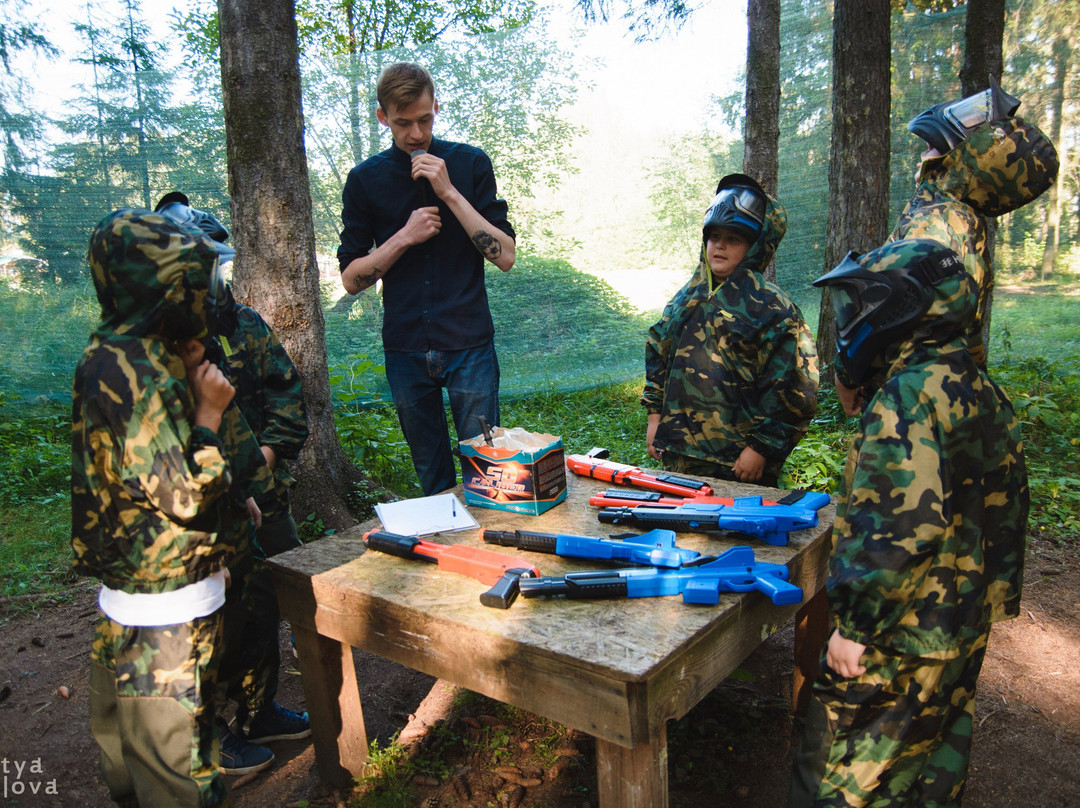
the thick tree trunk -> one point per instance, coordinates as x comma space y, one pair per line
984, 30
276, 272
761, 136
859, 153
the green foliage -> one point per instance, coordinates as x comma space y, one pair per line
35, 548
1047, 401
35, 454
385, 782
35, 510
817, 463
609, 416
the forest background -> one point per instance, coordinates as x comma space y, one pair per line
606, 180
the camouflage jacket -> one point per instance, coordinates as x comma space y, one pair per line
1000, 167
928, 545
269, 393
150, 495
733, 366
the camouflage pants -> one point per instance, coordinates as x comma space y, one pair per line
152, 712
696, 466
899, 735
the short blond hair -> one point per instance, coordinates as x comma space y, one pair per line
402, 83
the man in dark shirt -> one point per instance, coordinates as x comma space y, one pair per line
430, 209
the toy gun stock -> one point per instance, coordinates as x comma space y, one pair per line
655, 548
620, 474
699, 581
770, 523
501, 572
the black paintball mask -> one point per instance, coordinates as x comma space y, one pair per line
945, 126
879, 297
219, 301
739, 206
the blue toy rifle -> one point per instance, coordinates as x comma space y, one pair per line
655, 548
770, 523
698, 581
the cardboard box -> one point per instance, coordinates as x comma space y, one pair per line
522, 472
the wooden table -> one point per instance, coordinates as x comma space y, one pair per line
616, 669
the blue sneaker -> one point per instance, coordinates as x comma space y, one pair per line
241, 757
274, 723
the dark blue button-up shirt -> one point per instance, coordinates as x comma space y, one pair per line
434, 296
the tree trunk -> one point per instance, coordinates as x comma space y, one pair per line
275, 268
859, 153
984, 30
761, 135
1062, 52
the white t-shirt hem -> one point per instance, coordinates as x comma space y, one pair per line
164, 608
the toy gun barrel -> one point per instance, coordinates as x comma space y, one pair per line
397, 545
521, 539
655, 548
577, 586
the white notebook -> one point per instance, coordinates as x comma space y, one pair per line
423, 516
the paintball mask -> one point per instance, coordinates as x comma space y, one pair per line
945, 126
739, 206
879, 297
175, 207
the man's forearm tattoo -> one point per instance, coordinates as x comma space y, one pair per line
489, 246
364, 280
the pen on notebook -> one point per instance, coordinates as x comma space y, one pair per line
453, 507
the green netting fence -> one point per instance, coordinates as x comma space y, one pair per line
591, 276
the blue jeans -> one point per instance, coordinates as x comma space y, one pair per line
471, 380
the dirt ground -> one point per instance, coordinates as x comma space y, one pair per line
735, 747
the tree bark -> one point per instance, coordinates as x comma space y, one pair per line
761, 135
275, 269
859, 153
1062, 53
984, 30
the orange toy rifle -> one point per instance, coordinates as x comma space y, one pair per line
501, 572
594, 465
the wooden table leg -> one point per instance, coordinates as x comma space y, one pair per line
811, 632
328, 674
633, 778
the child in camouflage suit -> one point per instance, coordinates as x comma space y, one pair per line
929, 537
151, 499
928, 545
731, 368
266, 423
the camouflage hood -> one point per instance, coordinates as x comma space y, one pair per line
1001, 166
948, 323
761, 251
151, 275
